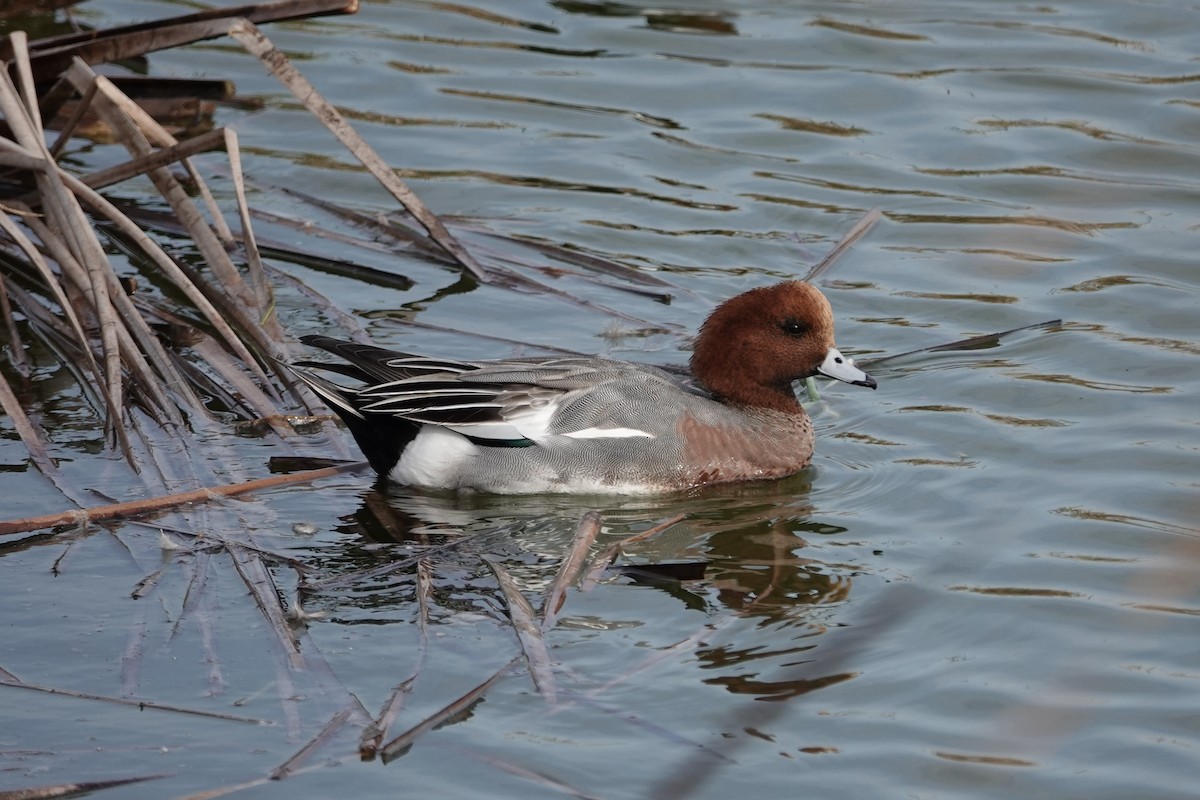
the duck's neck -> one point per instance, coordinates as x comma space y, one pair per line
736, 387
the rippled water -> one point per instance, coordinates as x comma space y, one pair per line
985, 586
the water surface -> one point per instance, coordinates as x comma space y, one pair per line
985, 585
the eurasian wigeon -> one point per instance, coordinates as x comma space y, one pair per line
587, 425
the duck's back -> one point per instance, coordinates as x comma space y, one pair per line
614, 428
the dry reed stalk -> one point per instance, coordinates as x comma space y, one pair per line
602, 561
500, 275
532, 775
655, 729
25, 429
84, 285
52, 55
76, 250
249, 306
98, 282
20, 684
856, 232
529, 633
31, 252
971, 343
254, 264
266, 595
605, 266
138, 347
158, 136
18, 359
335, 724
488, 337
72, 123
585, 534
170, 269
278, 65
370, 573
75, 789
374, 734
87, 516
222, 791
401, 232
125, 337
162, 157
129, 121
399, 745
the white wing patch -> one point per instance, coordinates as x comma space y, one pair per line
526, 423
608, 433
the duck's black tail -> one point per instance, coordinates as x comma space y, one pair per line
382, 437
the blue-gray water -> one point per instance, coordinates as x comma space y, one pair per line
986, 585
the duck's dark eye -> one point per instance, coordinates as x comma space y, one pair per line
794, 327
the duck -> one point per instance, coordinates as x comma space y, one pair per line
589, 425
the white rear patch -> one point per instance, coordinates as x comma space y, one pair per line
436, 457
608, 433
